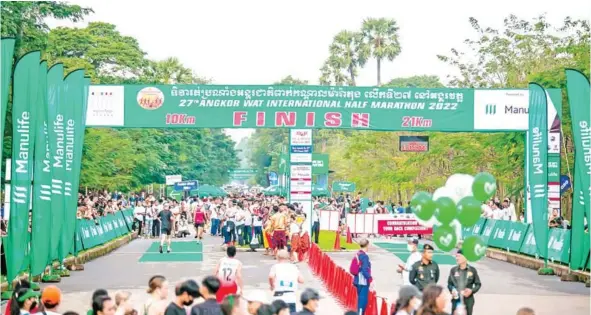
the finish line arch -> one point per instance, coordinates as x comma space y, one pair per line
303, 108
361, 108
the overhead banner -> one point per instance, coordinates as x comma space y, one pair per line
538, 166
413, 144
41, 220
55, 107
6, 69
251, 106
577, 86
24, 104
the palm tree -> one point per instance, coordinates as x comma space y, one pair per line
349, 52
332, 74
382, 37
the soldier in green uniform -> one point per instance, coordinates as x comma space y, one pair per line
463, 282
425, 271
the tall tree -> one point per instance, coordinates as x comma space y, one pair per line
332, 73
520, 52
25, 20
381, 35
290, 80
349, 52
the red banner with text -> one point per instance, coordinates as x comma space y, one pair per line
402, 227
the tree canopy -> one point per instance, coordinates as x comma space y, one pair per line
520, 52
119, 159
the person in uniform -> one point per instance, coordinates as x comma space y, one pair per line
425, 271
463, 282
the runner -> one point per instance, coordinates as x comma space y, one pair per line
199, 222
284, 279
229, 271
166, 222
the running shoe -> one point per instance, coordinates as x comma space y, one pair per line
160, 249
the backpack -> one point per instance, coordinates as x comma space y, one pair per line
355, 266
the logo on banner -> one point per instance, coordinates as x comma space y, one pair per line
490, 109
105, 106
150, 98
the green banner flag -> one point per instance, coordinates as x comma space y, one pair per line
538, 165
80, 125
577, 86
41, 219
24, 101
7, 58
73, 90
56, 138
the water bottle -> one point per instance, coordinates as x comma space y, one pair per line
460, 309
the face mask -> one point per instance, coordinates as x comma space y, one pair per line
188, 303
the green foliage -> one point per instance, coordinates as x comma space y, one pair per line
511, 57
120, 159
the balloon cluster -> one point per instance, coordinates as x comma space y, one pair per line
453, 206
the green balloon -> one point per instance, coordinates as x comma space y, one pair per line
446, 210
473, 248
445, 238
469, 211
484, 186
423, 205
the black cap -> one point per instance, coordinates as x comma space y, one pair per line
459, 252
427, 247
309, 294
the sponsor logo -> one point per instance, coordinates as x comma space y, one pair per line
150, 98
318, 163
490, 109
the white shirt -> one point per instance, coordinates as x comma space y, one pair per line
228, 269
213, 210
48, 313
511, 212
498, 214
247, 217
294, 228
488, 212
231, 214
315, 216
240, 216
370, 210
286, 280
139, 213
257, 221
411, 260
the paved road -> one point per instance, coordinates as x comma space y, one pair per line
505, 288
121, 270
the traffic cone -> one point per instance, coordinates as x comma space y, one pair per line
384, 308
337, 242
349, 238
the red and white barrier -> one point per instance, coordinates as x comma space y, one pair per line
329, 220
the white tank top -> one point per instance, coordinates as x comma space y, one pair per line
228, 269
286, 281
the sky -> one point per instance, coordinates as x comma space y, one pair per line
262, 41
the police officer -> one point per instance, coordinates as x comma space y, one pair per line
309, 299
463, 282
425, 271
